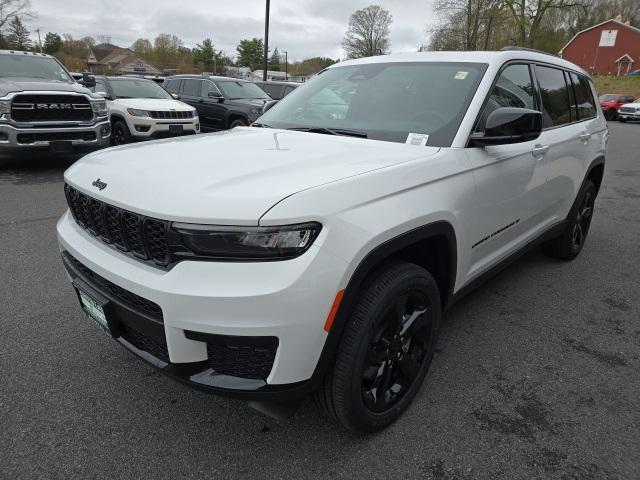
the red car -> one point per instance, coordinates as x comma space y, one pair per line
611, 102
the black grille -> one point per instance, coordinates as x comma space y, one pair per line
143, 237
627, 109
26, 138
48, 108
171, 115
237, 356
129, 299
156, 347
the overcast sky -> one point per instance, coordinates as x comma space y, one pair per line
304, 28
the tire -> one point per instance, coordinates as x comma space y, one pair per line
569, 244
610, 114
120, 134
237, 123
374, 351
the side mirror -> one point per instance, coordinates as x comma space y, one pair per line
104, 95
216, 95
175, 96
88, 80
268, 105
508, 125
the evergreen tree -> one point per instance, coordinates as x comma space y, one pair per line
274, 61
52, 43
18, 35
250, 53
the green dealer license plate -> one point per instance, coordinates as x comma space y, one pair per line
94, 310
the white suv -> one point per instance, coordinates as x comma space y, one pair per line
140, 109
316, 254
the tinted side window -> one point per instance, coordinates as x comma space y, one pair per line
584, 97
207, 87
555, 96
172, 86
274, 91
192, 87
513, 88
288, 90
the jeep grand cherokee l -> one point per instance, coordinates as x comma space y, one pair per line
42, 106
316, 254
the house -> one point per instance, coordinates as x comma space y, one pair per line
609, 48
108, 59
257, 75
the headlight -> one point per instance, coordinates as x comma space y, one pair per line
195, 114
137, 113
5, 106
256, 111
246, 243
99, 107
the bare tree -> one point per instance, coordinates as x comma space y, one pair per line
11, 9
368, 32
104, 38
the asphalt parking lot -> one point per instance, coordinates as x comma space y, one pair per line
537, 373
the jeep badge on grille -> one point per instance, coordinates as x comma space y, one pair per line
99, 185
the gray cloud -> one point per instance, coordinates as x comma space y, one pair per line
304, 28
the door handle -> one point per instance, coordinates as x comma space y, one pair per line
585, 136
540, 150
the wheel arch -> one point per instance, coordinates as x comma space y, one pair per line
432, 246
236, 115
595, 172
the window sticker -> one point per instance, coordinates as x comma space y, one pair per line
461, 75
417, 139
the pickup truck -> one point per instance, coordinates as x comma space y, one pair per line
42, 106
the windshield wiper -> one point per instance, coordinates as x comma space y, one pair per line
260, 125
331, 131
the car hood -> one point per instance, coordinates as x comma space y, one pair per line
155, 104
247, 102
230, 177
9, 85
633, 104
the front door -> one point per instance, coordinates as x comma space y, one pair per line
510, 179
213, 112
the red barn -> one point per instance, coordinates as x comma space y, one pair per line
609, 48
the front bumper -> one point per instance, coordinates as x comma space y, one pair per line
144, 127
90, 136
288, 300
629, 115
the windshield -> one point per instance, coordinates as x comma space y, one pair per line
384, 101
241, 90
134, 88
607, 98
32, 66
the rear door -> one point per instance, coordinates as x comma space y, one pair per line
565, 138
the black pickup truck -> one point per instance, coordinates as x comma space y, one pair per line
41, 105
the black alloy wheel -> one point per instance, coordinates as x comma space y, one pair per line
386, 348
399, 347
583, 220
120, 133
569, 243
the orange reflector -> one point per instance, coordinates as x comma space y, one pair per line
333, 311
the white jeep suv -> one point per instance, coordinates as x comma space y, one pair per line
140, 109
317, 254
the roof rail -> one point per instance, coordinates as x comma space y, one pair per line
510, 48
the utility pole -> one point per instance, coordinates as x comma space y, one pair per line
266, 42
39, 41
286, 65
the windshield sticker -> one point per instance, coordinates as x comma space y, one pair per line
417, 139
461, 75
